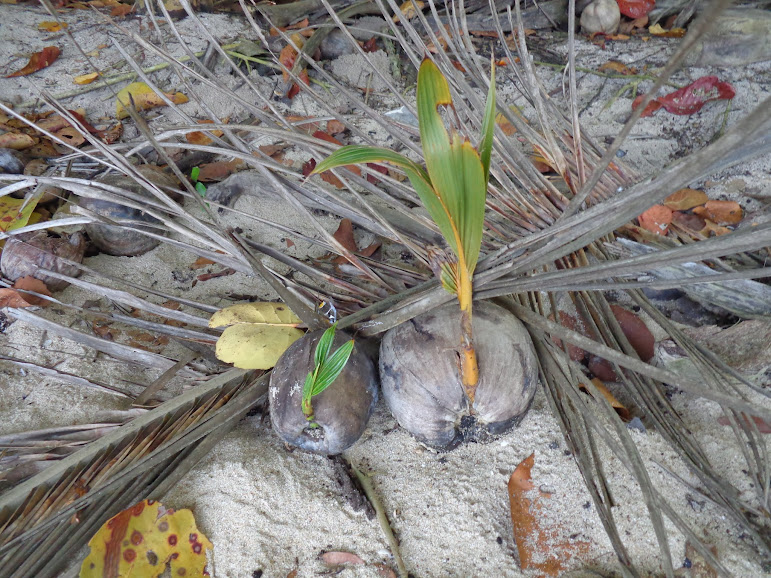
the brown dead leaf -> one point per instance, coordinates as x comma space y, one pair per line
16, 141
104, 331
38, 61
540, 548
658, 30
201, 262
622, 412
688, 222
334, 126
721, 212
210, 172
409, 9
121, 10
288, 54
617, 67
13, 299
656, 219
113, 133
201, 138
628, 26
340, 558
71, 136
344, 235
29, 283
685, 199
636, 332
760, 423
296, 26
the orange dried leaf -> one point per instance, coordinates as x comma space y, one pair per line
335, 127
49, 26
344, 235
617, 67
656, 219
13, 299
143, 539
723, 212
685, 199
622, 412
121, 10
38, 61
658, 30
409, 9
29, 283
201, 262
217, 171
86, 78
540, 548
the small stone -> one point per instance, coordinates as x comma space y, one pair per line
335, 45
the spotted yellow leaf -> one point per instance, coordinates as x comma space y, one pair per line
144, 98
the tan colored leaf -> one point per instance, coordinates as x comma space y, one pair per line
658, 30
201, 262
340, 558
721, 212
144, 98
685, 199
13, 299
409, 9
29, 283
16, 141
264, 313
253, 346
617, 67
201, 138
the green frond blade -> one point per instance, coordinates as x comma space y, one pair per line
332, 368
471, 216
488, 127
359, 154
324, 345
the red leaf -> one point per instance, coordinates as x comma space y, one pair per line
762, 426
370, 45
635, 8
691, 98
652, 107
38, 61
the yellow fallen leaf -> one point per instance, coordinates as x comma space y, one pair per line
144, 98
86, 78
409, 9
258, 333
49, 26
13, 213
658, 30
143, 539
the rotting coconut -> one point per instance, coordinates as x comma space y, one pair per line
341, 411
421, 382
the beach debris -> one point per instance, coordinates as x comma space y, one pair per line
339, 413
31, 254
143, 539
622, 411
656, 219
685, 199
721, 212
38, 61
763, 426
635, 8
689, 99
601, 17
143, 97
256, 334
541, 547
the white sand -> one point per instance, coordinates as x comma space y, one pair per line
271, 510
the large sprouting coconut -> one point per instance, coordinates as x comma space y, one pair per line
421, 379
340, 412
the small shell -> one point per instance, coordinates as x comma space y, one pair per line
419, 373
129, 240
341, 411
26, 254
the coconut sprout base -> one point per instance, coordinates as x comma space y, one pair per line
420, 378
341, 411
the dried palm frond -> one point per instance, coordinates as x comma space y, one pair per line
547, 239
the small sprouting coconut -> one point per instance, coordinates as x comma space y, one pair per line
421, 381
336, 417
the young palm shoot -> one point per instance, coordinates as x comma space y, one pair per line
452, 187
327, 369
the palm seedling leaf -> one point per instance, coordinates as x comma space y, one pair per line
454, 167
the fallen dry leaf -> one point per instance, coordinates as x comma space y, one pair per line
657, 30
635, 8
622, 412
344, 235
16, 141
210, 172
296, 26
144, 98
340, 558
201, 262
49, 26
540, 548
636, 332
13, 299
656, 219
630, 25
689, 222
38, 61
143, 539
409, 9
86, 78
29, 283
121, 10
721, 212
761, 424
617, 67
689, 99
685, 199
335, 127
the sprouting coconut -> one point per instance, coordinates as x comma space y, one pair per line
429, 368
333, 419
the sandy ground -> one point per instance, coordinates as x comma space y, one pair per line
269, 511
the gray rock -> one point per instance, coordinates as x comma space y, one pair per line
738, 37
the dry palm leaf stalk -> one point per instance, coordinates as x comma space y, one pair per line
546, 239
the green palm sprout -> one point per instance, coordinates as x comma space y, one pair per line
452, 187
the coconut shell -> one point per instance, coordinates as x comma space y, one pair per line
28, 253
420, 376
341, 411
126, 241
